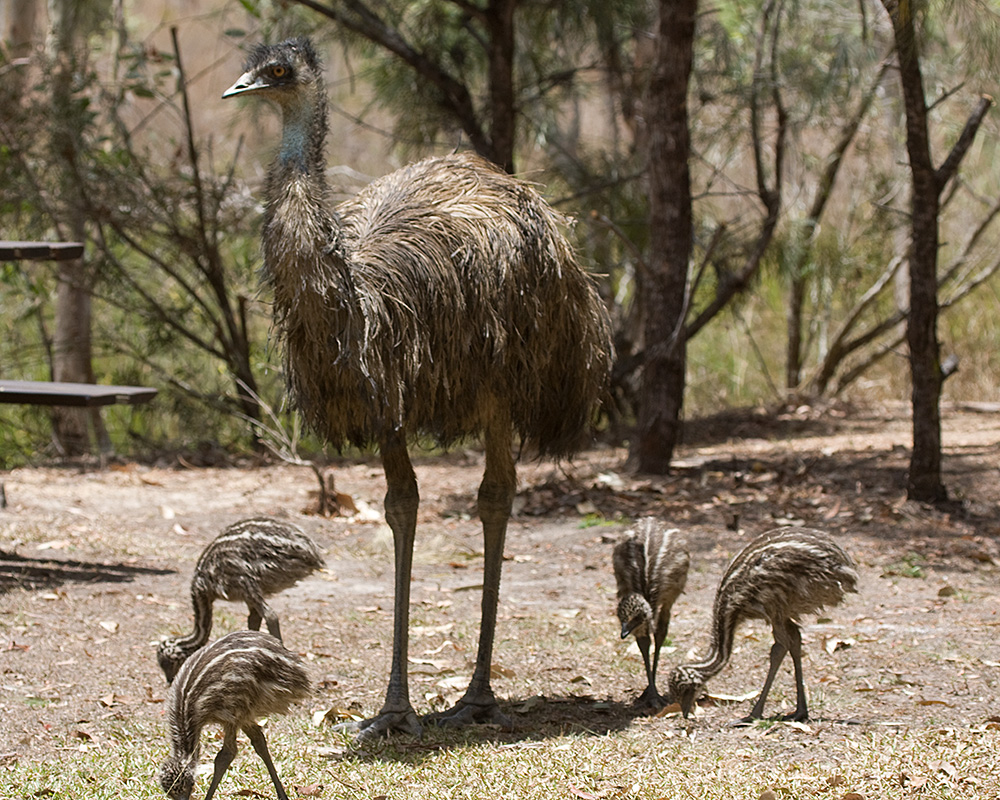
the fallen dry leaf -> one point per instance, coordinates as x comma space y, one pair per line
673, 708
833, 643
530, 704
335, 714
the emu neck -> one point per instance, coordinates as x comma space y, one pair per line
299, 228
721, 645
202, 605
303, 134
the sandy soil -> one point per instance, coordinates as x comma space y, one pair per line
95, 566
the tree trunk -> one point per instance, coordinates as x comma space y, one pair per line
662, 286
924, 482
793, 352
501, 78
71, 343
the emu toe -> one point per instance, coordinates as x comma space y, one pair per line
384, 724
468, 712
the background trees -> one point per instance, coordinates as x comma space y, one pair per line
783, 281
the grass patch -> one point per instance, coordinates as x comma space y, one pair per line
649, 760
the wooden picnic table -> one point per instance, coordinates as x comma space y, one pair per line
51, 393
40, 251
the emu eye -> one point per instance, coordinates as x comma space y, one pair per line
278, 71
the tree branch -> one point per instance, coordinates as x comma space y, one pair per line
455, 95
947, 169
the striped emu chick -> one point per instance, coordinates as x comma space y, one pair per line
651, 566
778, 577
233, 682
249, 561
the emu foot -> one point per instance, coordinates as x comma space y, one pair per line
386, 722
799, 715
469, 712
650, 700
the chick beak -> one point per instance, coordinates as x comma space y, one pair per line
630, 625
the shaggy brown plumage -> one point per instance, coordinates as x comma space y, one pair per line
443, 299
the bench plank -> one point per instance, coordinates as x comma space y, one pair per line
40, 251
49, 393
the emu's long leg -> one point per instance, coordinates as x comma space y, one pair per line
496, 496
401, 501
649, 697
260, 745
778, 651
658, 637
260, 610
223, 759
801, 713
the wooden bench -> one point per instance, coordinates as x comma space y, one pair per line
40, 251
50, 393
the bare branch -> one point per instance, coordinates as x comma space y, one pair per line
359, 18
945, 172
770, 196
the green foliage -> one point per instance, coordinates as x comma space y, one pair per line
174, 241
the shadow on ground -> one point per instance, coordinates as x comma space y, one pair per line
535, 719
18, 571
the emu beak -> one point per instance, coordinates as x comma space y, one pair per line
686, 702
631, 625
245, 83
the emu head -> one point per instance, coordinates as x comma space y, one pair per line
635, 615
685, 685
177, 778
171, 655
278, 71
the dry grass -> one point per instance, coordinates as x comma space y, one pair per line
645, 762
904, 710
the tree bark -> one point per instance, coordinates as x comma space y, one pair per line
500, 22
924, 480
71, 342
663, 284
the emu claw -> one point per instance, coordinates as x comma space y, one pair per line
651, 700
467, 713
383, 724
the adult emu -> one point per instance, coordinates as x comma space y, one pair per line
442, 300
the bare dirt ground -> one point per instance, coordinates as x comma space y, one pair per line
95, 565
